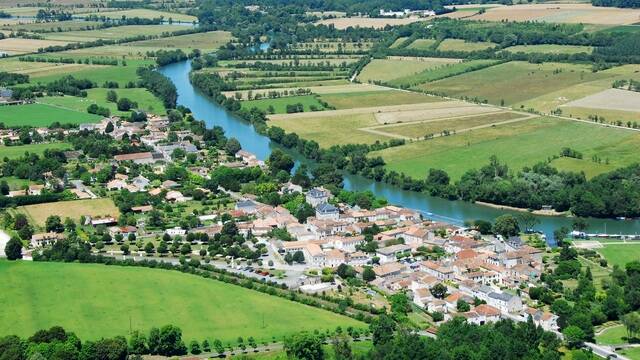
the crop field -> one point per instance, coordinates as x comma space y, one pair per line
17, 46
333, 60
461, 45
40, 115
518, 144
113, 33
50, 26
375, 98
365, 22
457, 124
399, 41
321, 90
144, 14
439, 72
35, 69
206, 42
38, 213
561, 13
146, 101
389, 69
611, 99
422, 44
96, 301
496, 83
13, 152
279, 105
550, 49
324, 46
620, 254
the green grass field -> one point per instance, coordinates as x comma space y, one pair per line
620, 254
280, 104
497, 83
206, 42
97, 301
146, 101
13, 152
550, 49
375, 98
389, 69
461, 45
113, 33
631, 353
436, 73
518, 144
40, 115
51, 26
422, 44
38, 213
120, 74
13, 182
399, 41
612, 336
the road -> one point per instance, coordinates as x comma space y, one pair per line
4, 239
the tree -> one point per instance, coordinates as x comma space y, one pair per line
483, 226
439, 291
12, 348
194, 347
574, 336
109, 129
304, 346
112, 96
13, 249
560, 234
125, 104
631, 322
170, 341
298, 257
368, 274
278, 161
580, 224
462, 306
382, 329
341, 348
149, 248
217, 344
4, 188
205, 346
163, 248
506, 225
400, 304
138, 343
54, 224
233, 146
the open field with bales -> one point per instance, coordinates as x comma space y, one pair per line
386, 70
96, 301
366, 22
13, 152
206, 42
40, 115
38, 213
144, 14
517, 144
560, 13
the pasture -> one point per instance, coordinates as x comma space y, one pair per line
41, 115
96, 301
279, 105
146, 101
26, 25
517, 144
550, 49
386, 70
38, 213
495, 84
206, 42
467, 46
613, 335
13, 152
42, 69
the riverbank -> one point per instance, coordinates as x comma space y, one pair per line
550, 212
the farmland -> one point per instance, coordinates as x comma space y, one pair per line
206, 42
113, 33
386, 70
13, 152
96, 301
144, 14
18, 46
42, 69
146, 101
279, 105
422, 44
517, 144
38, 213
376, 23
41, 115
550, 49
374, 98
461, 45
100, 74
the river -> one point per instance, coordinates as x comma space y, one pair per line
455, 212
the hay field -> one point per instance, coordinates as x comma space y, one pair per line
145, 14
35, 69
19, 46
365, 22
320, 90
461, 45
422, 44
561, 13
353, 100
417, 81
550, 49
496, 84
113, 33
398, 42
393, 68
206, 42
610, 99
518, 144
72, 25
38, 213
436, 110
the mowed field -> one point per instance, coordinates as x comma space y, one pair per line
461, 45
42, 69
518, 144
40, 115
351, 100
146, 101
205, 42
98, 74
38, 213
620, 254
96, 301
560, 13
13, 152
389, 69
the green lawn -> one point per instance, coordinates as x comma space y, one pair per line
13, 182
620, 254
280, 104
13, 152
518, 144
146, 101
496, 84
613, 336
97, 301
40, 115
375, 98
631, 353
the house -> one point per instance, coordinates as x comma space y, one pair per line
125, 231
326, 211
109, 220
140, 182
142, 209
176, 231
390, 253
482, 314
137, 158
505, 302
247, 206
389, 270
421, 297
169, 184
43, 239
349, 243
175, 196
545, 319
317, 196
35, 189
116, 184
358, 258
